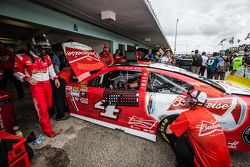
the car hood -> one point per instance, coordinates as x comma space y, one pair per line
82, 59
233, 88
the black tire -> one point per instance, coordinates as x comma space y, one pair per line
181, 146
162, 127
29, 150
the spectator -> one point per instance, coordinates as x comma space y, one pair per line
209, 144
7, 61
247, 65
63, 60
204, 63
106, 56
238, 61
56, 61
151, 55
212, 64
221, 68
118, 59
138, 53
166, 58
60, 96
197, 62
36, 69
157, 57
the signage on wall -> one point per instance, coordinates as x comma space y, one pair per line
75, 28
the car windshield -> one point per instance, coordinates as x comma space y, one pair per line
188, 73
203, 79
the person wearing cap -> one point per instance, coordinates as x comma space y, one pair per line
203, 132
166, 58
106, 56
36, 69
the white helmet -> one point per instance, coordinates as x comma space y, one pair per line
196, 98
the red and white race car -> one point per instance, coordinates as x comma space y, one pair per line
136, 98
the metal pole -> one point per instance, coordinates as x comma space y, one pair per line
175, 36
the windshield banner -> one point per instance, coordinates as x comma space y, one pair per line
82, 59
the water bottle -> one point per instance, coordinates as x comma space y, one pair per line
17, 131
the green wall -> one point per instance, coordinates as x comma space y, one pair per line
34, 13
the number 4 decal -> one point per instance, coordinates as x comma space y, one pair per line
109, 111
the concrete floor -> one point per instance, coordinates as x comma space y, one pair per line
80, 144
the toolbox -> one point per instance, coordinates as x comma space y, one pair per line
17, 155
7, 119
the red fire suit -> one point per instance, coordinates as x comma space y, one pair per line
7, 59
205, 135
107, 58
42, 92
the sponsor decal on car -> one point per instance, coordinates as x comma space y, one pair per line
84, 101
68, 90
232, 144
246, 135
109, 111
75, 91
73, 101
149, 124
229, 111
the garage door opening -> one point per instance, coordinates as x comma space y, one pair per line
14, 34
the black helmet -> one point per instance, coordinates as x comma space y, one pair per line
37, 43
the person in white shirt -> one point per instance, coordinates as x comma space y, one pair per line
166, 57
204, 63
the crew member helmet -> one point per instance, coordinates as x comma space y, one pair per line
38, 43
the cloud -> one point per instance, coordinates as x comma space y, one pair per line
203, 23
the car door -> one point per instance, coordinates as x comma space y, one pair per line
76, 96
164, 94
110, 93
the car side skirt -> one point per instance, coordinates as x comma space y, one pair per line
134, 132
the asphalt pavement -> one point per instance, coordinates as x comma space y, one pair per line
91, 145
82, 144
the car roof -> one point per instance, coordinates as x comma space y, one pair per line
162, 66
176, 69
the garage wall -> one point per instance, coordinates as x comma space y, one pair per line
96, 44
31, 12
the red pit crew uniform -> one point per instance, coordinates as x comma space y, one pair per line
107, 58
205, 136
42, 92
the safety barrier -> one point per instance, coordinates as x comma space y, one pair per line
239, 80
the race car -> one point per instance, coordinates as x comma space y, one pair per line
141, 99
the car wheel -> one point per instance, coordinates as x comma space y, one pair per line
162, 127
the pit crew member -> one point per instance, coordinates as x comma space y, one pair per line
204, 133
106, 56
36, 68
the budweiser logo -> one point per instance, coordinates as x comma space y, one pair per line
218, 106
79, 53
207, 128
39, 71
143, 123
179, 101
211, 103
